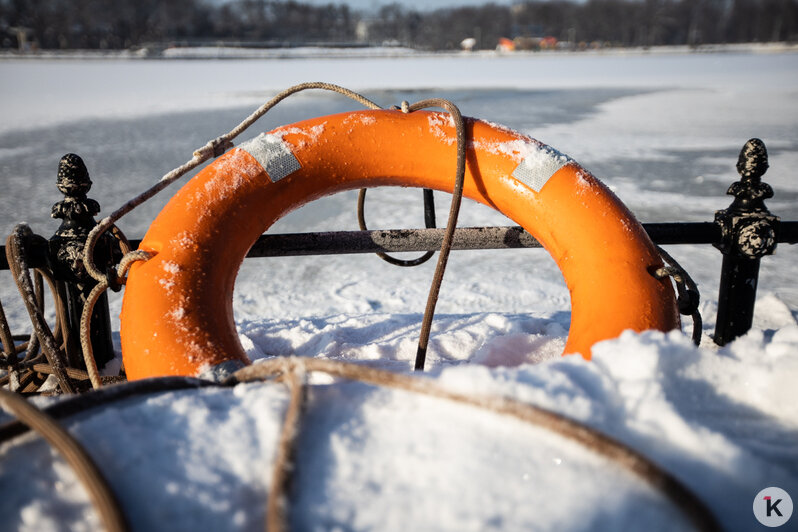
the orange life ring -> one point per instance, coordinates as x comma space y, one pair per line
177, 313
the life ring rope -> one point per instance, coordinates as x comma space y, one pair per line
451, 223
429, 222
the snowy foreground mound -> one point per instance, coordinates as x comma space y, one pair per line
724, 422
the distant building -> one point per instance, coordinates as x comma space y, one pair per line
548, 43
505, 45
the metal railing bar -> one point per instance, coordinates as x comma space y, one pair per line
466, 238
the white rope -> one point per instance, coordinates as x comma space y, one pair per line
88, 309
213, 148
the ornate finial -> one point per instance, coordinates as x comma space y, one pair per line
750, 192
73, 177
74, 182
747, 227
753, 161
77, 212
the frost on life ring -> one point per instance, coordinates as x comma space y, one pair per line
177, 313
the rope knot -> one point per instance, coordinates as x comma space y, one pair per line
116, 278
214, 148
295, 366
404, 107
688, 296
114, 281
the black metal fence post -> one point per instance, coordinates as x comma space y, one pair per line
748, 233
66, 258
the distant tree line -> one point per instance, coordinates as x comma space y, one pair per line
118, 24
615, 22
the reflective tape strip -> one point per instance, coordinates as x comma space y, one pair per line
539, 165
273, 154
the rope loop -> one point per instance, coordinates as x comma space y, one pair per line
119, 279
688, 297
113, 281
17, 254
429, 222
128, 260
688, 300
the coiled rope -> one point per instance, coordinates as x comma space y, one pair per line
100, 493
60, 352
292, 371
18, 263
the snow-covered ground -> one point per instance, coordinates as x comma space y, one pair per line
663, 130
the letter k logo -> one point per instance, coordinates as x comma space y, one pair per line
772, 506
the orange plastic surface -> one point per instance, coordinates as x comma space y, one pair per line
177, 316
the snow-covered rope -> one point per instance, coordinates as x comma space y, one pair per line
295, 379
58, 347
292, 370
99, 491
